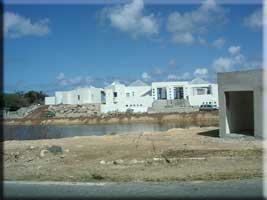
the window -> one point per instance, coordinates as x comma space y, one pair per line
209, 90
132, 93
115, 94
127, 94
127, 105
209, 102
79, 97
200, 91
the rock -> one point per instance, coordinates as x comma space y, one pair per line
114, 162
120, 161
16, 155
134, 161
67, 150
29, 160
55, 149
102, 162
109, 162
31, 147
62, 156
157, 159
43, 152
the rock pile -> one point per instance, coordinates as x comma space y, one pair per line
84, 110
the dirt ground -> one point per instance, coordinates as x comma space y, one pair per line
174, 155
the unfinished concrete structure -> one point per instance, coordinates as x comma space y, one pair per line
241, 103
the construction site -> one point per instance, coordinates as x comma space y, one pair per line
205, 146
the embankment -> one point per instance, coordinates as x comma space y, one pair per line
195, 118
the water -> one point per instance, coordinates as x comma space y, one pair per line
35, 132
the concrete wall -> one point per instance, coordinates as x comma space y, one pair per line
169, 106
250, 80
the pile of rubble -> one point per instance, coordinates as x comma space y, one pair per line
84, 110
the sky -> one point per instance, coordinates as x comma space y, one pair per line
52, 47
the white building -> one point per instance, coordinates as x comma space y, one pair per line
138, 96
196, 94
118, 97
78, 96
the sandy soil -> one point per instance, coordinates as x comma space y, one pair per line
178, 154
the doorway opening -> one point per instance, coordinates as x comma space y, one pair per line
239, 112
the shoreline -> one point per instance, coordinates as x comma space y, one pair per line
195, 118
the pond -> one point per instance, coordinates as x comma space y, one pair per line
20, 132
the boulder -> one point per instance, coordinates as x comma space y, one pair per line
55, 149
43, 152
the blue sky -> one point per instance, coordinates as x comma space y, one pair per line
58, 47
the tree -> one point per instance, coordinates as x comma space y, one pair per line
16, 100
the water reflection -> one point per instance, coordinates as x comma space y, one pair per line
49, 132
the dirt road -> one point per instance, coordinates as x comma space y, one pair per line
178, 154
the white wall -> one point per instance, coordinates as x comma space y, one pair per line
194, 100
127, 97
87, 95
50, 100
169, 86
197, 100
133, 96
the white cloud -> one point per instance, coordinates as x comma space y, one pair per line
171, 77
223, 64
253, 64
183, 38
234, 50
16, 26
185, 76
60, 76
172, 62
218, 43
201, 72
201, 40
131, 19
185, 27
157, 71
76, 80
255, 20
146, 76
236, 60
